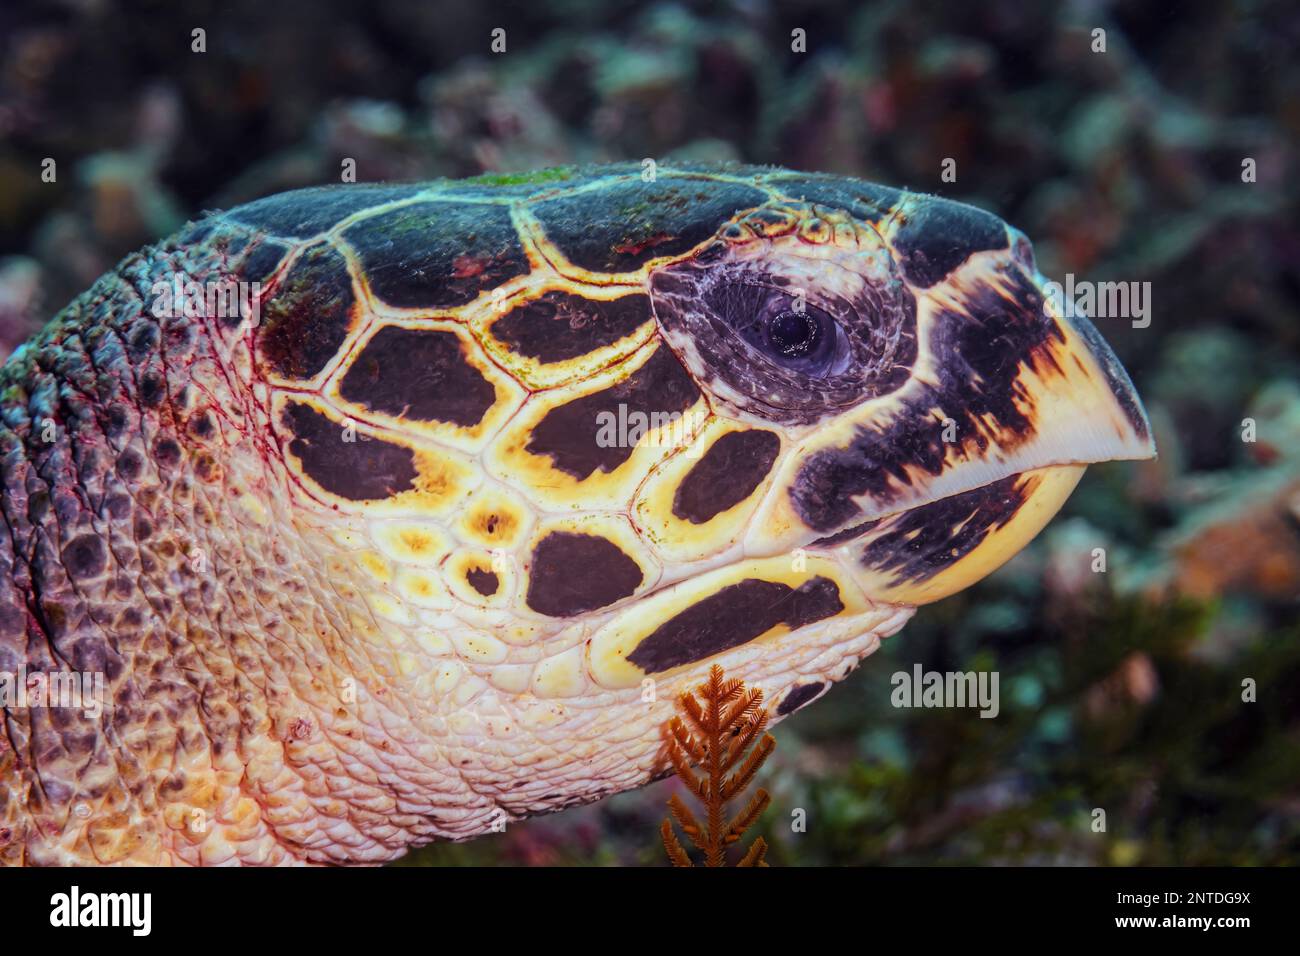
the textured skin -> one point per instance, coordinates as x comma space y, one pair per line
320, 652
127, 473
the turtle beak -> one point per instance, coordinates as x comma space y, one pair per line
937, 549
1090, 412
927, 490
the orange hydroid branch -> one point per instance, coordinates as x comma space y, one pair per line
723, 720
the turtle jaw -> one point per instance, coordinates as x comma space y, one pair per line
934, 550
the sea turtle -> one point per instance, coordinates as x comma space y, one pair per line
429, 534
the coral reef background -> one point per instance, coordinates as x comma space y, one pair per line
1120, 690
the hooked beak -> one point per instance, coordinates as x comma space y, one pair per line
930, 489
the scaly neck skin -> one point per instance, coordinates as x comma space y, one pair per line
138, 544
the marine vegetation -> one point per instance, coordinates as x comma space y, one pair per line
723, 720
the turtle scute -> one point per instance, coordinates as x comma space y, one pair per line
437, 255
565, 325
625, 224
304, 213
308, 317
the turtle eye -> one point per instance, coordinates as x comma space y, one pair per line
792, 334
788, 341
789, 333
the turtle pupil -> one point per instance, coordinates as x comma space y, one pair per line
792, 333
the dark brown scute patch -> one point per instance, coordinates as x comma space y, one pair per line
561, 325
38, 506
419, 374
483, 581
868, 202
307, 212
939, 235
569, 433
733, 616
848, 534
920, 543
84, 556
306, 320
438, 254
799, 695
575, 573
624, 225
726, 475
262, 261
979, 354
366, 469
116, 420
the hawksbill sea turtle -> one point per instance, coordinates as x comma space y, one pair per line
432, 537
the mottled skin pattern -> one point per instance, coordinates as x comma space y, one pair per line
306, 665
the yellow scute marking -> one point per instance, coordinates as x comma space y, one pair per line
449, 675
678, 540
534, 473
411, 541
494, 518
437, 478
385, 607
376, 566
422, 589
253, 509
417, 542
480, 648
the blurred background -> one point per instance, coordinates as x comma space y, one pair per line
1120, 691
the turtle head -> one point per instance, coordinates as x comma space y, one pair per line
936, 406
653, 423
558, 447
